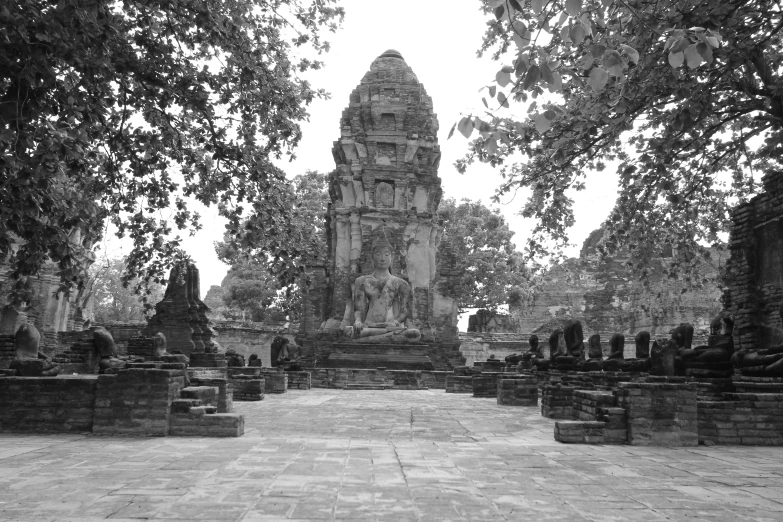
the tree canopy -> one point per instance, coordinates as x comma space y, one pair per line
113, 301
684, 96
249, 286
492, 271
125, 110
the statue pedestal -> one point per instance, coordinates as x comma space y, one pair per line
376, 355
207, 360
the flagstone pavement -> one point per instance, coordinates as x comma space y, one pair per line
382, 455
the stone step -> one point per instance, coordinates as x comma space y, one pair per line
208, 395
367, 386
184, 405
375, 360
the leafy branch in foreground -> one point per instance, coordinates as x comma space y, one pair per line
686, 98
126, 110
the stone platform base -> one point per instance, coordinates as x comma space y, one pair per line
388, 356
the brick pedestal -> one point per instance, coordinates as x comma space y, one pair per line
518, 391
659, 414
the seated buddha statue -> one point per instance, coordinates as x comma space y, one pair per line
614, 361
595, 354
714, 359
381, 302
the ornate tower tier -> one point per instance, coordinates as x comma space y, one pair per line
385, 184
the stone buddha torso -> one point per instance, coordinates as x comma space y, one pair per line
381, 303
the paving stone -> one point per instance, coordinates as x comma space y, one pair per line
326, 454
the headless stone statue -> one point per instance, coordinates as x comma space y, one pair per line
714, 359
683, 336
233, 358
662, 357
253, 360
381, 302
614, 362
595, 354
573, 338
29, 362
641, 363
107, 350
766, 362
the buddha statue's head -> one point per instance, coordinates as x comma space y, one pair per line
381, 252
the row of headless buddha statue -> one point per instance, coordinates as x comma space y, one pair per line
673, 356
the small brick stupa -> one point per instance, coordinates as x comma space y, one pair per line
385, 189
182, 317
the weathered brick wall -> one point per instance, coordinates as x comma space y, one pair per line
225, 401
754, 277
136, 401
434, 379
299, 380
743, 418
7, 350
47, 404
485, 385
659, 414
247, 388
459, 384
517, 390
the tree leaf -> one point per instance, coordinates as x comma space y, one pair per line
484, 101
676, 59
546, 74
573, 7
680, 45
577, 33
632, 53
532, 76
704, 51
557, 83
514, 4
499, 10
543, 124
537, 6
521, 66
503, 78
491, 145
451, 132
503, 100
550, 114
492, 90
598, 78
465, 126
692, 56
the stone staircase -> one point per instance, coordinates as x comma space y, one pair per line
194, 414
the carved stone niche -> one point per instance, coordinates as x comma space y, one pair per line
384, 194
388, 122
386, 154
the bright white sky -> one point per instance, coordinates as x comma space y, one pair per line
439, 42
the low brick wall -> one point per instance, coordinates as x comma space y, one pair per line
517, 391
586, 403
459, 384
275, 382
7, 350
659, 414
743, 418
47, 404
299, 380
485, 385
248, 388
580, 432
136, 401
434, 379
225, 399
557, 401
343, 378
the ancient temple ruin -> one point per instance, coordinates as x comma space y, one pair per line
385, 189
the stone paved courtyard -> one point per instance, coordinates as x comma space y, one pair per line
382, 455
